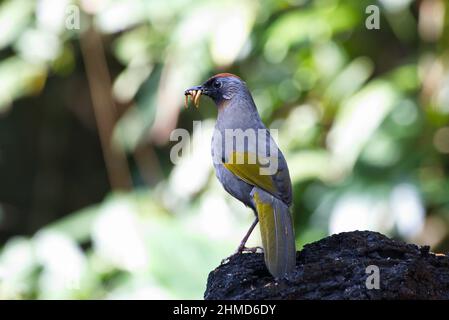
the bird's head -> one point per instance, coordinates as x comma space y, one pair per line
220, 88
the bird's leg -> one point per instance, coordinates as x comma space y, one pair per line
242, 247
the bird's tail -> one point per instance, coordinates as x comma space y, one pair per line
276, 229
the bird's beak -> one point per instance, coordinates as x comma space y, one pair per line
195, 93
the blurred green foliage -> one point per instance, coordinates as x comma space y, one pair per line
362, 116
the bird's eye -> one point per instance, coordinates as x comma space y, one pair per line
217, 84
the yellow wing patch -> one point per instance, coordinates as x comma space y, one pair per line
245, 166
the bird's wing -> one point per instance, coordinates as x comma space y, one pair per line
247, 166
281, 180
240, 165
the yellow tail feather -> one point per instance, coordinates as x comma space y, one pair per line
276, 229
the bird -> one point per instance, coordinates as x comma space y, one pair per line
252, 170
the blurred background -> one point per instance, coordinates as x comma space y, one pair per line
91, 206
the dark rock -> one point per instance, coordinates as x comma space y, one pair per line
336, 268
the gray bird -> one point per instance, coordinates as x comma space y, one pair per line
250, 166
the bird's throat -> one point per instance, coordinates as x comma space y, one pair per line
222, 104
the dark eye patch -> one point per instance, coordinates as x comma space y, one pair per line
217, 84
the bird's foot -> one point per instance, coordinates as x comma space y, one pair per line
246, 249
240, 250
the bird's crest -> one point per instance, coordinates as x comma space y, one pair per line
224, 75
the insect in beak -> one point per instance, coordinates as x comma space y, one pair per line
195, 93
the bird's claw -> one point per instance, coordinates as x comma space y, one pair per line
246, 249
240, 250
